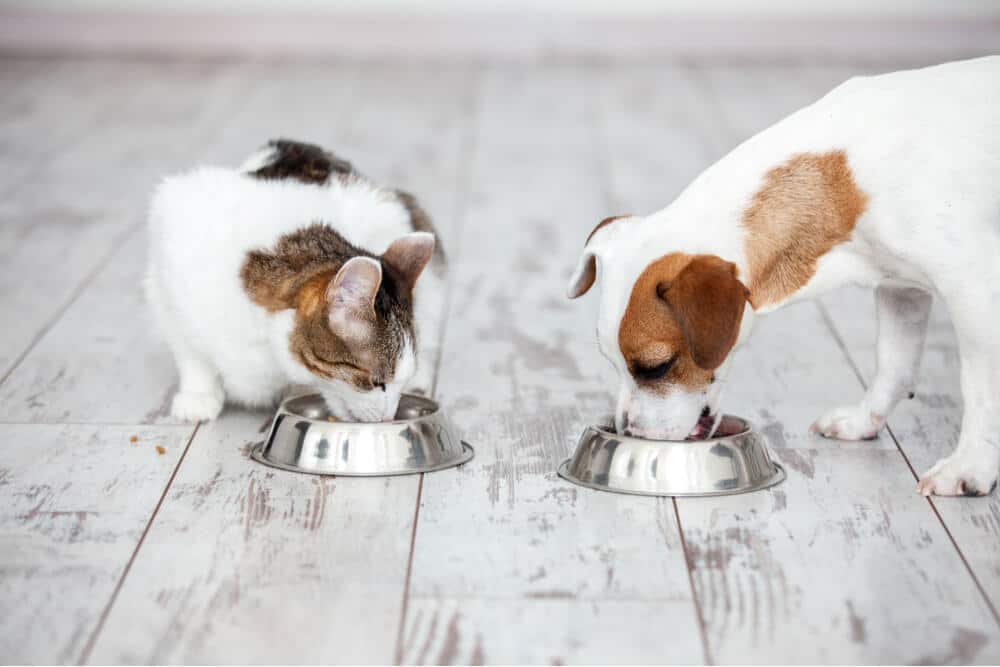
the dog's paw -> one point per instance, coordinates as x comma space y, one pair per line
952, 476
849, 423
193, 406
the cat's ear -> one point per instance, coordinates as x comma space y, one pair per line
351, 295
409, 254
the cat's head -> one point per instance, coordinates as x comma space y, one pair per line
347, 330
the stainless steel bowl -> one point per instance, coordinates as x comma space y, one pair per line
734, 460
304, 439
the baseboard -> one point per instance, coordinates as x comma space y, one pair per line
491, 37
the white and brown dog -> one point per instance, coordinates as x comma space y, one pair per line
891, 181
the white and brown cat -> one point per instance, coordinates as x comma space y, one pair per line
294, 269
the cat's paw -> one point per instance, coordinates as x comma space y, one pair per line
197, 406
849, 423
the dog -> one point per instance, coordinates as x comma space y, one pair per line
890, 181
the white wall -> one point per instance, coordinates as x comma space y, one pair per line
659, 8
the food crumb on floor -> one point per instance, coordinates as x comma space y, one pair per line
134, 439
160, 450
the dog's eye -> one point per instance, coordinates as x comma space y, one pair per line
654, 372
380, 385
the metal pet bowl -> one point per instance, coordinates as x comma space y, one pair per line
304, 439
734, 460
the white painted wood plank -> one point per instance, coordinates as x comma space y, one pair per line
477, 631
75, 502
246, 564
94, 493
503, 540
844, 552
101, 363
293, 568
62, 224
927, 427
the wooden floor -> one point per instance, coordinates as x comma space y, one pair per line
128, 537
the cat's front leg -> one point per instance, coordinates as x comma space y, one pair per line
200, 396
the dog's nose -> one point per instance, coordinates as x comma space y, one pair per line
706, 412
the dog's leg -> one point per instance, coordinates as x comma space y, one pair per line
972, 468
903, 314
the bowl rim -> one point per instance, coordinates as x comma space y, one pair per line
468, 453
777, 477
747, 428
425, 399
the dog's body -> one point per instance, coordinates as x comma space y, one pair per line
890, 181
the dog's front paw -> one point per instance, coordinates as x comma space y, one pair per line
195, 406
849, 423
953, 476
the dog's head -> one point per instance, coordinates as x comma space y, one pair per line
668, 327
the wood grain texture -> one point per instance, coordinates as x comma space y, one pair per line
456, 631
503, 540
250, 564
75, 501
87, 180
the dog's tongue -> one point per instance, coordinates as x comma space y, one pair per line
703, 428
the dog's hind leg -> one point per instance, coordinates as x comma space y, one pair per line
972, 469
903, 314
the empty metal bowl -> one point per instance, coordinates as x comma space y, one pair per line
303, 438
734, 460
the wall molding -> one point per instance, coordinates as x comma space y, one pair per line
507, 37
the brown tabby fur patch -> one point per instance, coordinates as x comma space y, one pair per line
303, 162
296, 273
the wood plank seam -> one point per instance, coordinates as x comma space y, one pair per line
118, 242
459, 216
89, 646
916, 476
707, 653
398, 655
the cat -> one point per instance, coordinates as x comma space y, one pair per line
294, 269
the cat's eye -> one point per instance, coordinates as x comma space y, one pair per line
650, 373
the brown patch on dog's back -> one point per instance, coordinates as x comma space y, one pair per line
684, 305
605, 223
806, 206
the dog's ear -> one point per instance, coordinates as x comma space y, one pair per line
707, 299
585, 274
